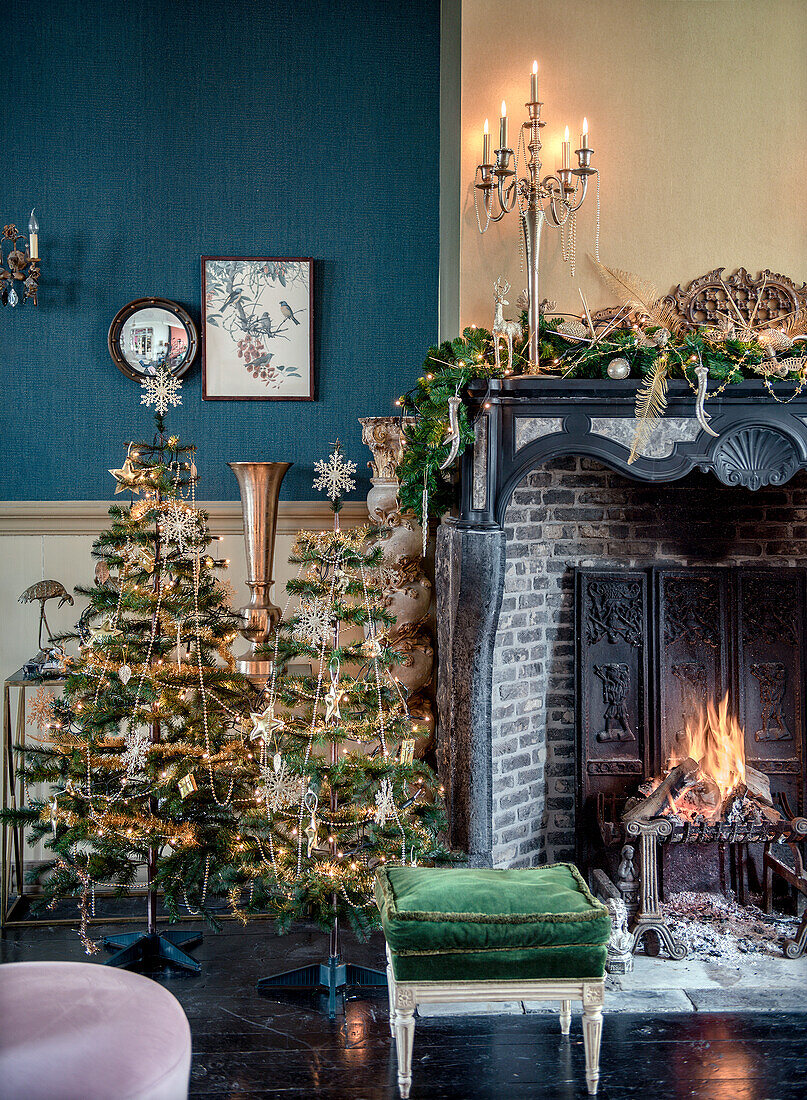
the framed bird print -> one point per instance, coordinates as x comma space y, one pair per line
257, 328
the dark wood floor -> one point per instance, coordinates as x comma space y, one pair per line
247, 1046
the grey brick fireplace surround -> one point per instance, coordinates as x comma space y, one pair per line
547, 488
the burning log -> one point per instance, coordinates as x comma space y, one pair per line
758, 784
669, 787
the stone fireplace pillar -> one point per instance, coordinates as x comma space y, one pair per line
469, 572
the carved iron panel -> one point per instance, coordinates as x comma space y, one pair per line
770, 646
691, 659
612, 632
653, 645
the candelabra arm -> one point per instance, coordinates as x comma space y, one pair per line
584, 182
507, 195
554, 191
489, 206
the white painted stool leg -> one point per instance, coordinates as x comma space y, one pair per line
592, 1034
391, 992
404, 1041
565, 1016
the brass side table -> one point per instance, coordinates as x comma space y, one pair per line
12, 871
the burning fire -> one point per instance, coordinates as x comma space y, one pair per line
716, 740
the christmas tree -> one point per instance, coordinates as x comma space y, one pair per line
339, 792
144, 756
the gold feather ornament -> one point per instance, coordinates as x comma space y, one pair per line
651, 404
640, 295
572, 330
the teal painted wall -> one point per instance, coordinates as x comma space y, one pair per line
151, 133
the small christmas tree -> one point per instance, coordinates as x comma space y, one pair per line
338, 789
141, 758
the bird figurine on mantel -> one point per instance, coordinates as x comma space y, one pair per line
48, 660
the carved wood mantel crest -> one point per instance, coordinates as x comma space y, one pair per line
706, 299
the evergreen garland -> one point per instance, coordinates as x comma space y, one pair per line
450, 366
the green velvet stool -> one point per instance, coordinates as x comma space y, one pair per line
459, 934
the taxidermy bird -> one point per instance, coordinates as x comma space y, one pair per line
288, 312
44, 591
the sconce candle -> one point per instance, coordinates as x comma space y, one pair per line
33, 236
503, 127
566, 151
584, 135
534, 83
486, 144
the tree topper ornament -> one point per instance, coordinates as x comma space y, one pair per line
161, 390
334, 476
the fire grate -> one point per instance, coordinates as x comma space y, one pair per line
654, 647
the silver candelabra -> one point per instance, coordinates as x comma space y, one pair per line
555, 198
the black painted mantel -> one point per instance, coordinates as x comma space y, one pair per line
520, 424
523, 422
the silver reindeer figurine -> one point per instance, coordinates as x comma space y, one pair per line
502, 329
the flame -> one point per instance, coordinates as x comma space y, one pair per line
716, 740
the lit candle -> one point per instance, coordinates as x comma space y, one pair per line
584, 135
534, 83
33, 236
486, 144
503, 127
566, 160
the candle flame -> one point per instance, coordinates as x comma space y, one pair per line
566, 137
535, 66
485, 130
585, 125
504, 109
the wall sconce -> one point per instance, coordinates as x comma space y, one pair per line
21, 264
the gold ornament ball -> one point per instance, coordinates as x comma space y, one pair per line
618, 368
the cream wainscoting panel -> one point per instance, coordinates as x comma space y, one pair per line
54, 539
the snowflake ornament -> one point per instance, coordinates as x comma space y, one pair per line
314, 622
183, 526
334, 476
136, 753
280, 789
161, 390
42, 709
384, 802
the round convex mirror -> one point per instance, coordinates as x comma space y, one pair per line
149, 332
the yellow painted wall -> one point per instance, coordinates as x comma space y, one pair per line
698, 114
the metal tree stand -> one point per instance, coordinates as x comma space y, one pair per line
329, 977
150, 950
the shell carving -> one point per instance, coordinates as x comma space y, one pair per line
755, 457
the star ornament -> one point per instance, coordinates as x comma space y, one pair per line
311, 832
265, 724
127, 477
332, 698
102, 635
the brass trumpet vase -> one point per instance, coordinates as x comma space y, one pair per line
259, 484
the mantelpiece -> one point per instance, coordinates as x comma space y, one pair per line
523, 422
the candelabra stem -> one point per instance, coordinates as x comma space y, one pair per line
532, 221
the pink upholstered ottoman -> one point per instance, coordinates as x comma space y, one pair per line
79, 1031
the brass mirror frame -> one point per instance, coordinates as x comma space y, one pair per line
123, 315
